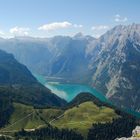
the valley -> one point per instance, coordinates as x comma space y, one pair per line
68, 90
105, 64
55, 98
69, 70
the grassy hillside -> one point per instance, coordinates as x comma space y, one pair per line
80, 117
84, 115
25, 116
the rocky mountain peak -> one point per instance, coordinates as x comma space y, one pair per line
122, 32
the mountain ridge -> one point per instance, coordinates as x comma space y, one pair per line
118, 56
110, 63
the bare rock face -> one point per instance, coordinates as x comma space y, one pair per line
115, 65
135, 135
132, 138
136, 131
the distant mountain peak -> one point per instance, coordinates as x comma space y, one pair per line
127, 30
78, 35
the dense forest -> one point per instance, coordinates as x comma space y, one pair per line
49, 133
121, 127
6, 110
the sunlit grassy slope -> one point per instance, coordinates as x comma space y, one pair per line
80, 117
27, 117
83, 116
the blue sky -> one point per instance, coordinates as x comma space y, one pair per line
44, 18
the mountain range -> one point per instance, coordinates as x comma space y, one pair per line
29, 110
60, 56
111, 63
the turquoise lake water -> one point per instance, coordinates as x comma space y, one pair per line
68, 91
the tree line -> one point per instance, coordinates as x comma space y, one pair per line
121, 127
49, 133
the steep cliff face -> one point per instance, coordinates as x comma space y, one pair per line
68, 58
115, 65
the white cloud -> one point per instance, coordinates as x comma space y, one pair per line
55, 25
58, 25
20, 31
118, 18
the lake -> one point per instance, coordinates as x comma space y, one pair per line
68, 91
